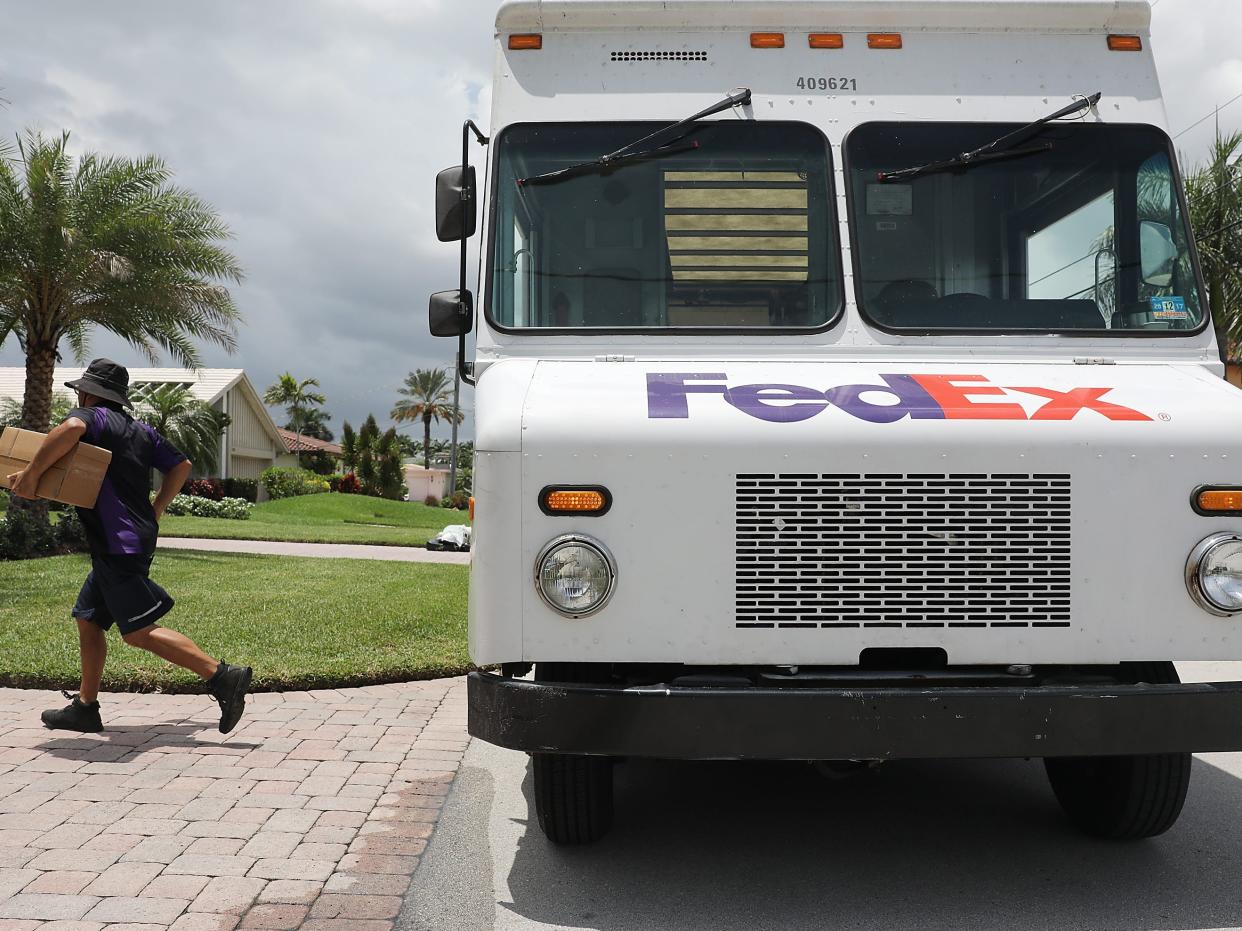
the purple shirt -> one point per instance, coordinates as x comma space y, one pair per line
123, 520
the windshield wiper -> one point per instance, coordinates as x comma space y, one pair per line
1004, 147
658, 144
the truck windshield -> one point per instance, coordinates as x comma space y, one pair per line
1086, 234
733, 228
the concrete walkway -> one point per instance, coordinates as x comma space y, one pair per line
312, 814
319, 550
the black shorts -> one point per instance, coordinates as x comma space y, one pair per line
118, 591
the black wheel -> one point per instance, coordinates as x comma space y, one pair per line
573, 797
1124, 797
573, 794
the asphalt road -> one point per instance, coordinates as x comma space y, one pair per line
714, 846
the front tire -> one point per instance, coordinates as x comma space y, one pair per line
1124, 797
573, 797
573, 794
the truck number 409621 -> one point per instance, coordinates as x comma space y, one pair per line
827, 84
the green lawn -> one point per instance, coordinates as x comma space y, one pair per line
327, 518
301, 623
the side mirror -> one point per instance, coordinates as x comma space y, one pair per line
1156, 253
455, 203
451, 313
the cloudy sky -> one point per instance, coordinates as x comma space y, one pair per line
316, 127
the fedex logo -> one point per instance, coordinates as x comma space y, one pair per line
919, 397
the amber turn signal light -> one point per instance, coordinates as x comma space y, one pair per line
528, 41
825, 40
1217, 500
767, 40
471, 511
589, 500
884, 40
1125, 43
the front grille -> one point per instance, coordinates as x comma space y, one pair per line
930, 551
658, 56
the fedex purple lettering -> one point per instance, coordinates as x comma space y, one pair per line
919, 397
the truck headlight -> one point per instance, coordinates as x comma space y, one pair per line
1214, 574
575, 575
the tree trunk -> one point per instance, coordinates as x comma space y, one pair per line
426, 441
37, 409
298, 423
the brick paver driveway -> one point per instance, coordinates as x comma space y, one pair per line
312, 814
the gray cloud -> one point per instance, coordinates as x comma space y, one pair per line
316, 127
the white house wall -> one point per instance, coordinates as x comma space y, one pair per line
251, 448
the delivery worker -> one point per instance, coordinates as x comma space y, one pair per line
121, 529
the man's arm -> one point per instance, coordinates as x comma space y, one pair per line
61, 440
174, 481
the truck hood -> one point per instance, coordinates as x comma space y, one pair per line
800, 512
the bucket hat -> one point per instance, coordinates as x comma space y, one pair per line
104, 379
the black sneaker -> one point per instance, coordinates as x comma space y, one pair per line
76, 717
228, 687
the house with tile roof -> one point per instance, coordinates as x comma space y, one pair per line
295, 444
251, 442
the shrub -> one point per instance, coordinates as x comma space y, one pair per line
209, 488
245, 488
289, 483
459, 500
69, 534
346, 484
24, 537
227, 508
431, 501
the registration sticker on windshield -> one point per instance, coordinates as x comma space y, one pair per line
890, 200
1169, 308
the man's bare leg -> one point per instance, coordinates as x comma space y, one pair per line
174, 647
227, 684
94, 648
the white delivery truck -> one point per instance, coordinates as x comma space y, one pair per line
846, 390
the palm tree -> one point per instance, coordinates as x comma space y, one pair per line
425, 397
349, 448
388, 464
109, 243
315, 424
1214, 193
193, 426
368, 469
409, 447
296, 396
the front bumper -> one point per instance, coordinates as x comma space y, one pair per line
714, 723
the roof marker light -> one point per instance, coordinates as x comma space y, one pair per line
825, 40
884, 40
526, 41
767, 40
1125, 43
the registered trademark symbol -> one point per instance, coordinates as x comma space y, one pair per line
1165, 417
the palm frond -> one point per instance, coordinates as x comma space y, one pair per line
111, 243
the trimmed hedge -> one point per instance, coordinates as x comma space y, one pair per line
228, 508
291, 483
24, 537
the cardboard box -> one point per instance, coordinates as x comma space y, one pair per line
75, 478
